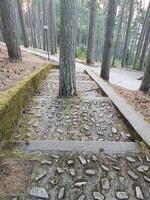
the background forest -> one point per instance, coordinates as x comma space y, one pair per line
131, 33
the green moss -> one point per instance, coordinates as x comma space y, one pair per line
15, 99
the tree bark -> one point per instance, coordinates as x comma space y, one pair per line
110, 24
44, 23
145, 86
145, 46
125, 51
67, 80
119, 30
22, 21
52, 27
8, 21
92, 34
142, 35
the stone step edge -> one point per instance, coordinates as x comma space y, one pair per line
109, 147
135, 119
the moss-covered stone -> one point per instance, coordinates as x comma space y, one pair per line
15, 99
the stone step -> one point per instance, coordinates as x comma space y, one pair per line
108, 147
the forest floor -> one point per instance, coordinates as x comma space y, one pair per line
11, 72
137, 99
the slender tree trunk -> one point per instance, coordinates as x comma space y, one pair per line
142, 35
67, 80
145, 46
92, 33
145, 86
119, 30
24, 32
44, 23
2, 38
52, 27
110, 24
125, 51
8, 21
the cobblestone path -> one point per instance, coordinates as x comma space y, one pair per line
83, 123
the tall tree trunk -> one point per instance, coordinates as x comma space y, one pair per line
52, 27
145, 86
145, 46
2, 36
92, 33
125, 51
24, 32
44, 23
8, 21
109, 32
119, 30
67, 80
142, 35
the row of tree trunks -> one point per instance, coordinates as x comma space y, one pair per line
110, 24
8, 21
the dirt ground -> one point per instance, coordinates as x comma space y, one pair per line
14, 176
139, 100
11, 72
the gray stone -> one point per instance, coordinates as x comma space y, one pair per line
114, 130
82, 197
43, 162
90, 172
147, 158
130, 159
98, 196
105, 184
147, 179
80, 184
132, 174
116, 168
55, 156
143, 168
60, 170
39, 193
122, 195
72, 172
41, 175
139, 194
121, 179
94, 158
82, 160
70, 162
105, 168
59, 131
61, 193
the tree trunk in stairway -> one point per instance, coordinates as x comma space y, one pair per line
92, 33
8, 21
67, 80
110, 24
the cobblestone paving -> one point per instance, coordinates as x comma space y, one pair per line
92, 176
86, 117
83, 175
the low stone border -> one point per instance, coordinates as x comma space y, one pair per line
14, 100
135, 119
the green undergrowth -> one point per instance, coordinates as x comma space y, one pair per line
15, 99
